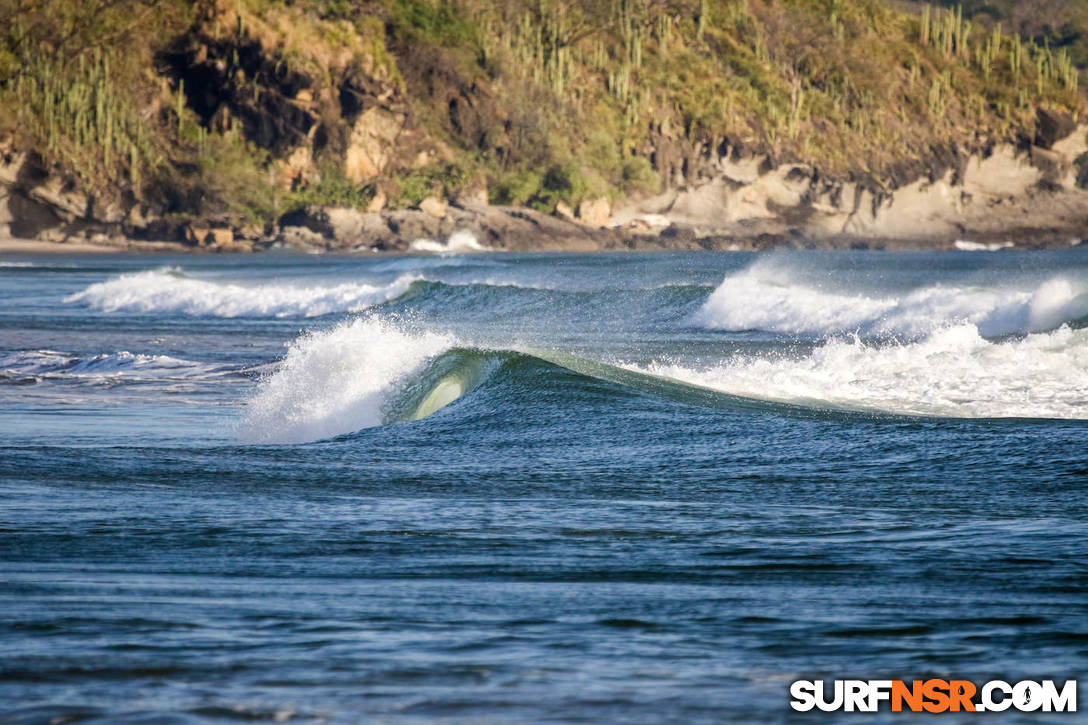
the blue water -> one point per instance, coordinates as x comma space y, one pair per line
535, 488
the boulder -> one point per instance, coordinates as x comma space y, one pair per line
351, 226
108, 211
69, 203
297, 168
434, 206
411, 224
301, 238
473, 196
595, 213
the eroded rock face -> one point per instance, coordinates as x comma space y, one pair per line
350, 227
1005, 190
25, 218
29, 215
332, 228
301, 238
371, 144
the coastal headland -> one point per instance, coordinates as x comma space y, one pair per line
401, 125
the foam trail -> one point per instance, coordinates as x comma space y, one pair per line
954, 372
759, 298
54, 365
461, 241
336, 381
168, 291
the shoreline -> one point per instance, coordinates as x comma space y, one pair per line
14, 246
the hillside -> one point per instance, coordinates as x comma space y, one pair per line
155, 117
1058, 24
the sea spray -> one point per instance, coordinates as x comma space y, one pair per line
168, 290
460, 241
337, 381
769, 299
954, 372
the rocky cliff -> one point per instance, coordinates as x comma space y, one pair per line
634, 123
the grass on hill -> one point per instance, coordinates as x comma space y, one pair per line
541, 100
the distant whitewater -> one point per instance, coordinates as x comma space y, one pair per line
459, 242
768, 297
170, 290
954, 373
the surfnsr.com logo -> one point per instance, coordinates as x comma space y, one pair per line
933, 696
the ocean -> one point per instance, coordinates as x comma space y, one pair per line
517, 488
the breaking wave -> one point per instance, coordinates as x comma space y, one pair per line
763, 298
338, 381
170, 291
954, 372
463, 241
372, 371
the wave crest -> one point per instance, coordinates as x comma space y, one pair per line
167, 290
953, 373
337, 381
764, 299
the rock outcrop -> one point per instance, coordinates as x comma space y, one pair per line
1004, 191
500, 228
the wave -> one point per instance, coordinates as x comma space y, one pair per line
370, 372
954, 372
967, 246
340, 380
168, 290
374, 371
17, 265
37, 365
458, 242
763, 298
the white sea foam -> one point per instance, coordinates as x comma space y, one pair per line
765, 298
17, 265
336, 381
954, 372
169, 291
967, 246
460, 241
52, 364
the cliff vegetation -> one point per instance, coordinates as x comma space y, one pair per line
238, 112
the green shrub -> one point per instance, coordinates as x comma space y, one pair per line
331, 189
437, 180
233, 182
516, 189
639, 175
418, 21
